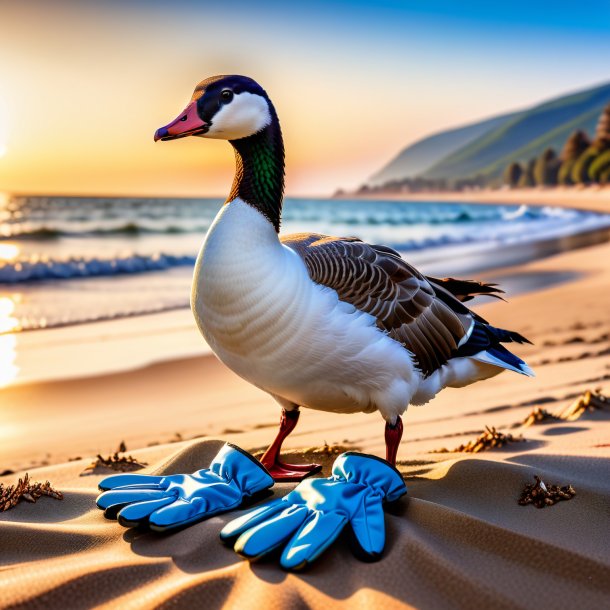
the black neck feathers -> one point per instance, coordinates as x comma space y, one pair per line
259, 172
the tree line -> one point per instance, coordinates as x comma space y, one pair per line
581, 161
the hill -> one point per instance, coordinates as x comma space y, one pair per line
417, 158
526, 135
486, 148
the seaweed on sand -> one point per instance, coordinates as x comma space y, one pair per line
115, 462
542, 495
324, 455
27, 490
588, 402
489, 439
540, 416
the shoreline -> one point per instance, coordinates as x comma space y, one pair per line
72, 351
166, 369
593, 199
196, 396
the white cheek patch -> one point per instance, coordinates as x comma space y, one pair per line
245, 115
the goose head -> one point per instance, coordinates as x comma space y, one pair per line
223, 108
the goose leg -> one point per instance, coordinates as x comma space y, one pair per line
271, 458
393, 434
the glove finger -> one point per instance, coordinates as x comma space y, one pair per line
313, 538
139, 512
238, 526
180, 512
121, 480
368, 526
270, 534
119, 496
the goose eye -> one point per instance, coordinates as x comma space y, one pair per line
226, 96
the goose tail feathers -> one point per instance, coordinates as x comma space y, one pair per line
485, 345
500, 356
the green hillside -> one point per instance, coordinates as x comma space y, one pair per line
525, 135
417, 158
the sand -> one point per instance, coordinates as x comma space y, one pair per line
459, 539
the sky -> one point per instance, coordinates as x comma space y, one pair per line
85, 83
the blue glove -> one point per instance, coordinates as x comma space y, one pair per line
309, 518
165, 503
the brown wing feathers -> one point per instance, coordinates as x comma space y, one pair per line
465, 290
377, 281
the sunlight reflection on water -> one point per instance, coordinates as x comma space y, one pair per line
8, 252
8, 343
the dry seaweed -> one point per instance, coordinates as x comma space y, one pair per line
326, 450
588, 402
324, 455
542, 495
115, 462
490, 439
26, 490
540, 416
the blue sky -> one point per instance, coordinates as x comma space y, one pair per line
354, 82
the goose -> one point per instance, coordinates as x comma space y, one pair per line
316, 321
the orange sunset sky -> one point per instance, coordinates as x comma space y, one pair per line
84, 85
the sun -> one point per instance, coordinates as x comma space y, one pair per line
3, 149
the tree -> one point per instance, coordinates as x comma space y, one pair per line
599, 165
575, 145
527, 176
580, 169
546, 168
512, 174
602, 131
604, 177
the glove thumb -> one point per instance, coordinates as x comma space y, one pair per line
368, 527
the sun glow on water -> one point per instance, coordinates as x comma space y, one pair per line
8, 342
8, 252
8, 355
8, 323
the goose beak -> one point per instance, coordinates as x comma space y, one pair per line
187, 123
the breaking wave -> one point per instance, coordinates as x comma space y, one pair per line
37, 269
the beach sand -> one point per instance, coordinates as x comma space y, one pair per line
459, 539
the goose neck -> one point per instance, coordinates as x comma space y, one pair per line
259, 172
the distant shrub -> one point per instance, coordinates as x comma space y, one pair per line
546, 168
599, 165
527, 175
575, 145
512, 174
604, 176
580, 169
564, 175
602, 131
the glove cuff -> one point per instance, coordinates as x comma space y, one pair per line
241, 469
372, 471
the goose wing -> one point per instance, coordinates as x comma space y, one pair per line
427, 320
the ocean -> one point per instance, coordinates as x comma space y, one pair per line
73, 260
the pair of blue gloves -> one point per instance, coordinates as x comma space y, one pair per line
305, 522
